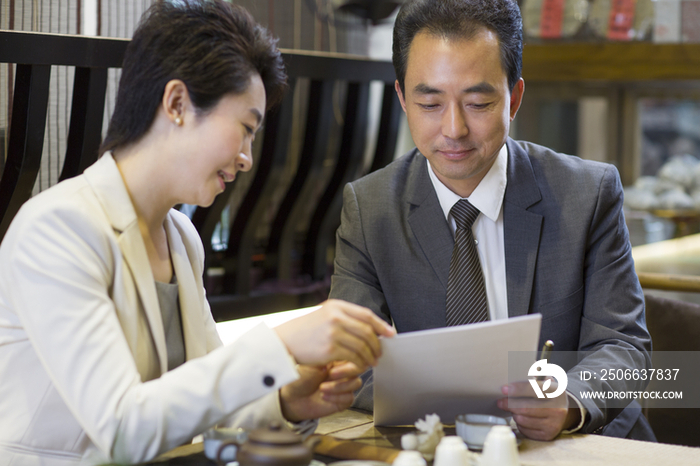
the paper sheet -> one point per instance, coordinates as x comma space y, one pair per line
448, 371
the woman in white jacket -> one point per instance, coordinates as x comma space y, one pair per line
108, 351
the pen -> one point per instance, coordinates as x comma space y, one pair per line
546, 349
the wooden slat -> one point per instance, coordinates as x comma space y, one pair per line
326, 218
335, 66
26, 141
61, 49
664, 281
388, 129
87, 112
282, 242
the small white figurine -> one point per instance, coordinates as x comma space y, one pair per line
425, 441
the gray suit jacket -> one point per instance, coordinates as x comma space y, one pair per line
568, 256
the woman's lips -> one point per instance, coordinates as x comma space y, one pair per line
225, 177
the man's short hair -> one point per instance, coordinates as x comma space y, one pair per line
213, 46
460, 19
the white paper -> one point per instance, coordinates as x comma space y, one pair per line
448, 371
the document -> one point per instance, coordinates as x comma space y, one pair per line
450, 370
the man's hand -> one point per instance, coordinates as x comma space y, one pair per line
539, 418
320, 391
338, 331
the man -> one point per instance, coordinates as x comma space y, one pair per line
549, 231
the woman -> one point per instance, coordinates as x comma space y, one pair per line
108, 351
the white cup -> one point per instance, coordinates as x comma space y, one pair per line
409, 458
500, 448
451, 451
473, 428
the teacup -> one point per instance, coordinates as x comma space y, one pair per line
409, 458
451, 451
214, 438
473, 428
500, 448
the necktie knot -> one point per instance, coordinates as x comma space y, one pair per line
464, 214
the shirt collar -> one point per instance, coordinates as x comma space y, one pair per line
488, 195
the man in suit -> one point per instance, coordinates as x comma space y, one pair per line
550, 232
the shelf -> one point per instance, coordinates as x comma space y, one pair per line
617, 61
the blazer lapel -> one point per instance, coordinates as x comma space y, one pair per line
135, 255
521, 229
427, 220
190, 301
107, 183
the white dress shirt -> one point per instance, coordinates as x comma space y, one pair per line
487, 229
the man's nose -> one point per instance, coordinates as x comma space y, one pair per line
454, 123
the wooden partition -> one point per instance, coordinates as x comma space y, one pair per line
274, 246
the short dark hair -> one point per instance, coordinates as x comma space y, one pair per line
213, 46
461, 19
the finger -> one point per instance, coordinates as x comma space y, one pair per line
521, 405
339, 386
362, 313
312, 374
362, 332
344, 400
342, 353
520, 389
527, 422
536, 434
343, 369
351, 342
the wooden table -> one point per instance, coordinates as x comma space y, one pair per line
567, 450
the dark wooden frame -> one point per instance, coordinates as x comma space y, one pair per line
324, 75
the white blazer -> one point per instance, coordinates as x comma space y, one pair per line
82, 348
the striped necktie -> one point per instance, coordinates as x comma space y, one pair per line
466, 293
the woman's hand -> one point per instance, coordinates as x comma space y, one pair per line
320, 391
338, 331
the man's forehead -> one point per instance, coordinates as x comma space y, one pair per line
429, 53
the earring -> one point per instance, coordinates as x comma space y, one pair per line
178, 120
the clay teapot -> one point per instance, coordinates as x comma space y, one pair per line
272, 446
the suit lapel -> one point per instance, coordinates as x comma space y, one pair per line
135, 255
190, 302
107, 183
521, 229
427, 220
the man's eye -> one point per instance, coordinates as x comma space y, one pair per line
429, 106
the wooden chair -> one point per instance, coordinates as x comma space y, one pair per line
674, 325
276, 248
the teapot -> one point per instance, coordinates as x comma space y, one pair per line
271, 446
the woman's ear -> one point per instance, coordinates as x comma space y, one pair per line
176, 101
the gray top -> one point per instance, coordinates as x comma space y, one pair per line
170, 310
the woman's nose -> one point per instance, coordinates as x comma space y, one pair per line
244, 161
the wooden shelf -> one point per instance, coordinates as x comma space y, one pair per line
617, 61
